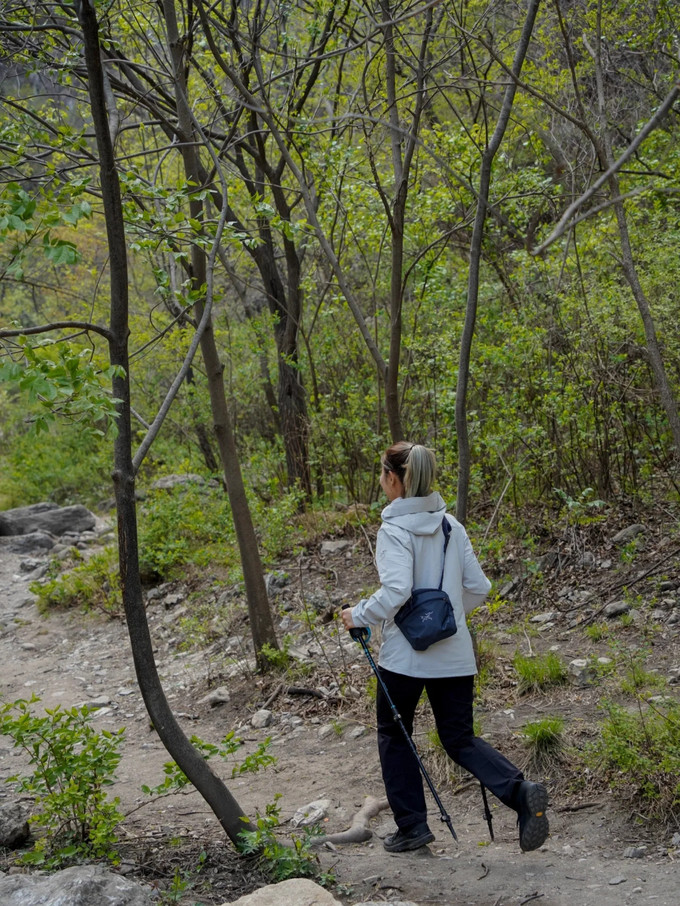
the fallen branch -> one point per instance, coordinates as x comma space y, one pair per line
581, 807
274, 695
532, 896
315, 693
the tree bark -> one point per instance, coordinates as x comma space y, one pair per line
192, 762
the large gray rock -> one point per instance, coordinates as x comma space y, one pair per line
30, 543
82, 885
168, 482
46, 517
296, 892
628, 534
14, 830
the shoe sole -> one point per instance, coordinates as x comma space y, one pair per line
535, 831
408, 845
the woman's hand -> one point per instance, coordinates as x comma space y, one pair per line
346, 616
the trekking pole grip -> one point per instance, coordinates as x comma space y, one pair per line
358, 632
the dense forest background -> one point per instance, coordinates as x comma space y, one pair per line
454, 222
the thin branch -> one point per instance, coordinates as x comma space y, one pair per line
565, 221
57, 325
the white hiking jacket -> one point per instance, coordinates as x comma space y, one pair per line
409, 555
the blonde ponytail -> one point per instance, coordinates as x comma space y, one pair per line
414, 465
419, 473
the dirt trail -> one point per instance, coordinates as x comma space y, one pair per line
71, 658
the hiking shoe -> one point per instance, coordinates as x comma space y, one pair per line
532, 801
403, 841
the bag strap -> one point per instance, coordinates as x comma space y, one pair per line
446, 528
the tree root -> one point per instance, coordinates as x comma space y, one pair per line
358, 832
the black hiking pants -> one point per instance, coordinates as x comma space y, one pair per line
451, 702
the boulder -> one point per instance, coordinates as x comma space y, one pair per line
261, 719
82, 885
46, 517
628, 534
335, 547
30, 543
216, 697
168, 482
295, 892
14, 830
616, 609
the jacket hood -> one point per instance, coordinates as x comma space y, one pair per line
420, 515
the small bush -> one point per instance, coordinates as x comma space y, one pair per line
597, 631
187, 524
639, 752
72, 766
175, 778
279, 524
539, 672
635, 679
277, 860
94, 585
544, 736
545, 741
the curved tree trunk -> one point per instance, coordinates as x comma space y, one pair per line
192, 762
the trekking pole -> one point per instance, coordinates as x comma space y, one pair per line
361, 635
487, 811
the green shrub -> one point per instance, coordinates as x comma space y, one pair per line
72, 766
94, 585
68, 465
187, 524
639, 752
277, 860
175, 778
635, 679
276, 522
539, 672
544, 737
597, 631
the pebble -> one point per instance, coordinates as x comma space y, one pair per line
635, 852
262, 718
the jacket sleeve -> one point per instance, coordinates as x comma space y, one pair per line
394, 559
476, 586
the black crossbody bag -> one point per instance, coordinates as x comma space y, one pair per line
427, 617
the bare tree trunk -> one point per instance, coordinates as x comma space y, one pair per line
475, 261
192, 762
261, 624
396, 222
